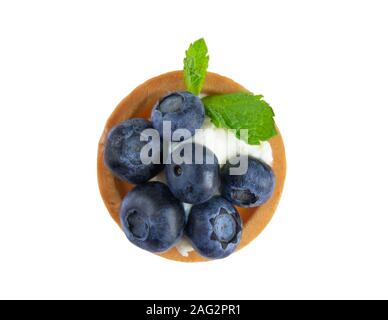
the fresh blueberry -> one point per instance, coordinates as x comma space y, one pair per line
193, 181
122, 152
151, 217
214, 228
183, 109
251, 189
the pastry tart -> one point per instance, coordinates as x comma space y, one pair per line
139, 104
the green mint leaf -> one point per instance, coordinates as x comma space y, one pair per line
195, 66
242, 111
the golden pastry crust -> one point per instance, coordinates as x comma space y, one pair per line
139, 104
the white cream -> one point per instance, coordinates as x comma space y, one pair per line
184, 247
225, 145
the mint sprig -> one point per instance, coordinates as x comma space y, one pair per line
195, 66
242, 111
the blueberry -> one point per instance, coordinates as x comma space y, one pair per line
183, 109
190, 181
251, 189
214, 228
151, 217
122, 152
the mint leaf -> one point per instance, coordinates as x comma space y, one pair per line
242, 111
195, 66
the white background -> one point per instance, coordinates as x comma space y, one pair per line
323, 65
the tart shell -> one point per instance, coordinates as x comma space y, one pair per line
138, 104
